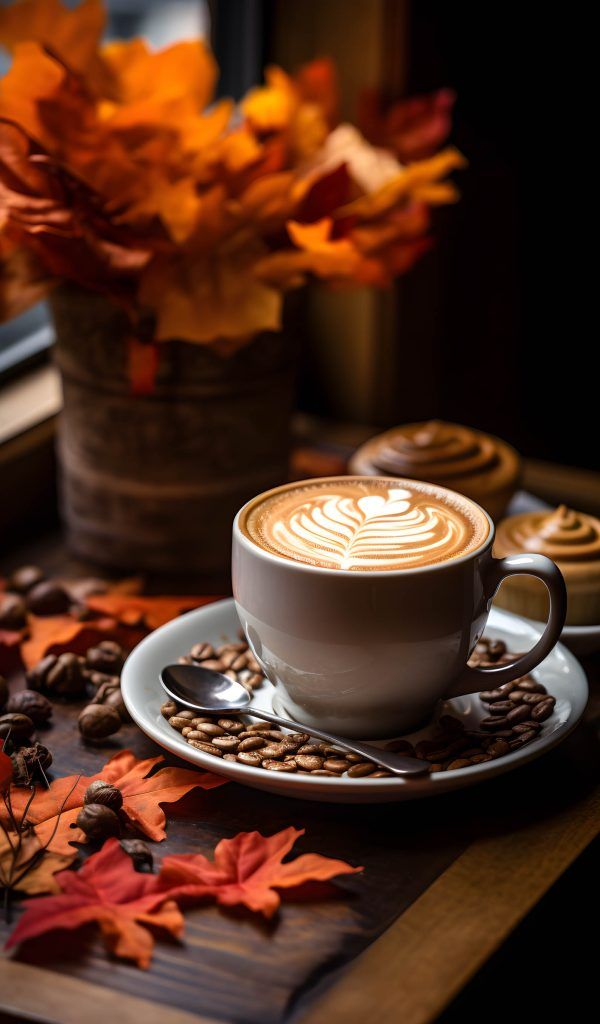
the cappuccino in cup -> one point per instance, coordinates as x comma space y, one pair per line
363, 597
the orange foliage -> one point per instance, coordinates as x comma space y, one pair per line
119, 172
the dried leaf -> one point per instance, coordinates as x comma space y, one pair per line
142, 798
248, 869
15, 858
133, 610
109, 891
6, 768
53, 634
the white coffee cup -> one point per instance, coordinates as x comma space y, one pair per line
368, 654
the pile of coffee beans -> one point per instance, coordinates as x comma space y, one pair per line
514, 716
232, 659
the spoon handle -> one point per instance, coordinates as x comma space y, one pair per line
398, 764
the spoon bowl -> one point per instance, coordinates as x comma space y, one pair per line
204, 689
209, 692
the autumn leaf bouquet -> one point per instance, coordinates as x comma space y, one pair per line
121, 173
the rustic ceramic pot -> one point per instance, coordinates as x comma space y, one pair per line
153, 482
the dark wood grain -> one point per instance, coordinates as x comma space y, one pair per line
233, 967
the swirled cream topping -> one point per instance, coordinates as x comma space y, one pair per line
438, 451
365, 523
563, 535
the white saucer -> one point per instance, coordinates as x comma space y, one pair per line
582, 640
143, 695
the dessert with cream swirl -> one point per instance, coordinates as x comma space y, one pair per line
569, 538
483, 467
365, 524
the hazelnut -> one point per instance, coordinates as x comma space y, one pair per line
140, 853
13, 613
36, 677
24, 578
26, 760
107, 656
97, 721
48, 598
18, 727
113, 698
100, 792
98, 822
65, 678
28, 702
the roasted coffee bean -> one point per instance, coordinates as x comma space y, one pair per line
480, 758
212, 729
298, 737
460, 762
206, 748
492, 724
310, 762
501, 707
252, 665
252, 743
323, 771
517, 696
495, 649
257, 727
527, 727
361, 769
381, 775
250, 757
543, 710
31, 703
489, 696
311, 749
196, 734
232, 660
331, 751
213, 663
252, 681
202, 652
498, 748
520, 713
398, 747
107, 656
335, 764
233, 726
531, 699
179, 722
201, 720
279, 766
168, 709
238, 648
531, 686
229, 757
226, 743
187, 730
275, 734
274, 750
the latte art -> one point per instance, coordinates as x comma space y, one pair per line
365, 524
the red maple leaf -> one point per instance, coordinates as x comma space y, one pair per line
143, 796
248, 869
109, 891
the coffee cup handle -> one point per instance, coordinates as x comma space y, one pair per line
472, 680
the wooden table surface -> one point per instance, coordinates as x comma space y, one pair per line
445, 882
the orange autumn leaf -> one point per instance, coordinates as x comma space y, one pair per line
143, 797
248, 869
52, 634
142, 75
109, 891
132, 609
72, 34
15, 858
